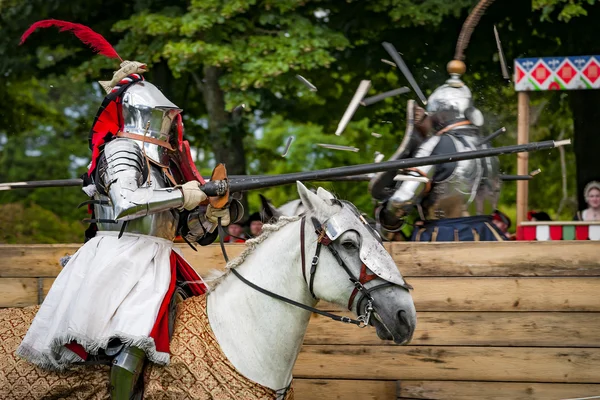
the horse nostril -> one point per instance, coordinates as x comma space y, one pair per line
403, 318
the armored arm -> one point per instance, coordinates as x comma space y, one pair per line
122, 171
408, 194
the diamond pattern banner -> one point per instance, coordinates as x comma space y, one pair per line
557, 73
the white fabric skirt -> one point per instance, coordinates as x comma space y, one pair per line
110, 288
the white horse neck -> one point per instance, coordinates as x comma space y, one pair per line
260, 335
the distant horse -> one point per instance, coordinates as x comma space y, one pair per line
237, 342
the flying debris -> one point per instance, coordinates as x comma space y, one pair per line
287, 146
503, 66
377, 135
306, 83
400, 63
338, 147
379, 157
385, 95
535, 172
411, 178
383, 60
362, 90
492, 136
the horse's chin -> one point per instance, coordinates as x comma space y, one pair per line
384, 334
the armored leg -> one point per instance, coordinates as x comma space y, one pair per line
125, 372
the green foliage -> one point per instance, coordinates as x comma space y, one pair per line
49, 142
257, 47
34, 224
568, 8
305, 155
253, 44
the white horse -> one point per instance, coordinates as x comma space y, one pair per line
260, 335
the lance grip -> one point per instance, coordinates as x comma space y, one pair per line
215, 188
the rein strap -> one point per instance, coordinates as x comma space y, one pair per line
278, 297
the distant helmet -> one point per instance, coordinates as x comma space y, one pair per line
448, 98
454, 97
147, 112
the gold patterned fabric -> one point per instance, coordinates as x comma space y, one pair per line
20, 380
199, 368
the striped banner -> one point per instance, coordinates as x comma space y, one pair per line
557, 73
558, 232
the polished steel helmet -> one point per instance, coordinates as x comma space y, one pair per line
455, 97
149, 114
448, 97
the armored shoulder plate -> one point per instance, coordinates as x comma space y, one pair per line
131, 195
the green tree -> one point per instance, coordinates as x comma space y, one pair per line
210, 56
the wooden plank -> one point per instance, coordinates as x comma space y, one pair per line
500, 294
18, 292
33, 260
505, 364
497, 258
330, 389
414, 259
43, 260
473, 329
208, 258
489, 294
506, 294
494, 390
46, 284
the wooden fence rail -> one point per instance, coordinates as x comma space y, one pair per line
495, 321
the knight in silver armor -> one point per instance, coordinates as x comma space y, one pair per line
109, 298
137, 188
451, 201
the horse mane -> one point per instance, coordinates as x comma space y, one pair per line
215, 277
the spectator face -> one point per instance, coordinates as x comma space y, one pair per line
235, 230
256, 228
501, 225
593, 198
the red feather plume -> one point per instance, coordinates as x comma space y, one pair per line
93, 39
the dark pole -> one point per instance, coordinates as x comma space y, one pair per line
77, 182
252, 183
516, 177
240, 183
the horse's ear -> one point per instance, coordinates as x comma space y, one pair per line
310, 200
268, 211
324, 194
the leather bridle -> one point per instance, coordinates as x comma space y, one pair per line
359, 284
322, 240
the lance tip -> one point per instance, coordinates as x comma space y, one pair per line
559, 143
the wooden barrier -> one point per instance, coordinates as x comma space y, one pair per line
518, 320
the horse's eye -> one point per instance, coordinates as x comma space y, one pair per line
349, 245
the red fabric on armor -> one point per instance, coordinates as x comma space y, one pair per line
160, 331
107, 124
182, 271
109, 119
77, 349
186, 273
